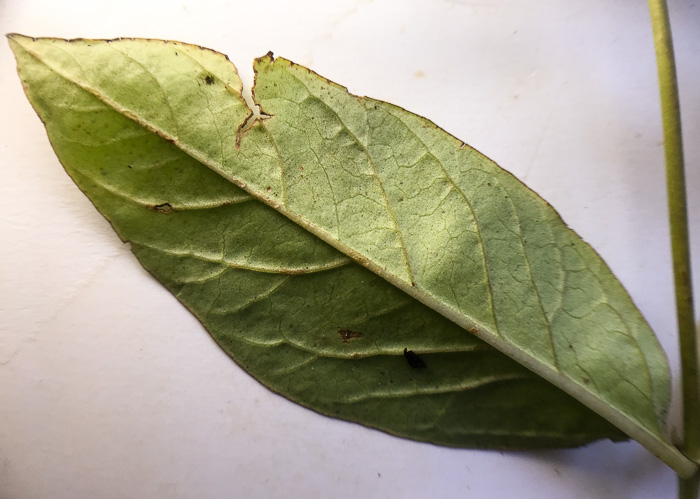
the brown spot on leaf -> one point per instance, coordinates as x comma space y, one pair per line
292, 271
347, 335
209, 79
163, 208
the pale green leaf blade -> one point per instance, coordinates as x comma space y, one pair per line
291, 310
498, 262
475, 242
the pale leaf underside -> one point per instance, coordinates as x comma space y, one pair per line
154, 133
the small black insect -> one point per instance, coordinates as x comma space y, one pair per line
209, 80
413, 358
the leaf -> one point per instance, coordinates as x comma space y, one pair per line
426, 214
219, 251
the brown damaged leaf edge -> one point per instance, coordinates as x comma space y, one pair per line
119, 38
414, 290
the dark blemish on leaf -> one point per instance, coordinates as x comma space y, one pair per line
413, 284
269, 188
586, 380
355, 355
347, 335
292, 271
164, 208
400, 200
128, 166
413, 358
209, 79
473, 330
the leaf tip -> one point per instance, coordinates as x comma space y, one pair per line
17, 36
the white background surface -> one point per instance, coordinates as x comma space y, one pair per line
109, 388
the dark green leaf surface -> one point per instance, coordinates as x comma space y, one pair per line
135, 122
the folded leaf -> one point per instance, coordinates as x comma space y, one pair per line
134, 121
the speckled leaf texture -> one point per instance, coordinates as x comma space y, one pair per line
317, 242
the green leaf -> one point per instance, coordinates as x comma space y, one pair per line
445, 232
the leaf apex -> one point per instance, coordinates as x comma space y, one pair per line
15, 36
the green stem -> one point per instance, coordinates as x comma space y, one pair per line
688, 487
678, 217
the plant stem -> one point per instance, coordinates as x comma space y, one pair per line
688, 487
678, 218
